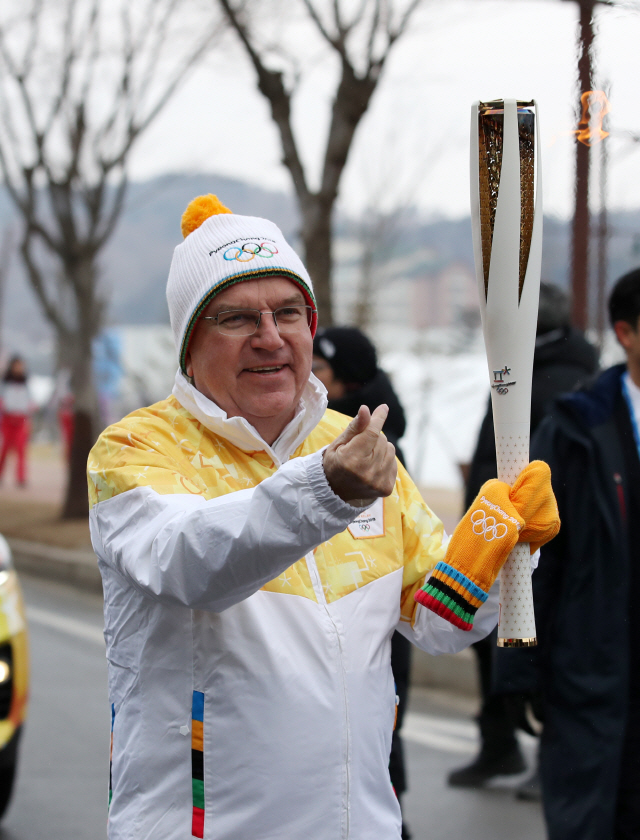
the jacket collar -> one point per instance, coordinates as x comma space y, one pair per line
241, 433
594, 404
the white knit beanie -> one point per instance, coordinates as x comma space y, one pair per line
220, 249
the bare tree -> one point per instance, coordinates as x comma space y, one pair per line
361, 36
80, 81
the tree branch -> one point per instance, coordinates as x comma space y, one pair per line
337, 43
350, 103
37, 283
399, 30
114, 214
375, 21
271, 85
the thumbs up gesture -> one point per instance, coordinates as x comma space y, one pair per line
360, 464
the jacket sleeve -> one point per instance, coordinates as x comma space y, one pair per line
181, 548
424, 544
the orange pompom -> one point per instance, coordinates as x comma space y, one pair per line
199, 211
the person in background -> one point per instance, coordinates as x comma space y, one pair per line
16, 407
563, 358
346, 363
583, 678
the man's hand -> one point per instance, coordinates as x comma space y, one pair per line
360, 464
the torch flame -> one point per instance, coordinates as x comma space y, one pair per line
595, 106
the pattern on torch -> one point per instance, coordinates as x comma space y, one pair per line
490, 137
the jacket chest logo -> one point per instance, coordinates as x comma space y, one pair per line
370, 523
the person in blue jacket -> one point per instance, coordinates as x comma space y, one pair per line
584, 676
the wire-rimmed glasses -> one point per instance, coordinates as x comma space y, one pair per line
244, 322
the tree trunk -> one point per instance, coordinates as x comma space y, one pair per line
83, 386
316, 236
76, 504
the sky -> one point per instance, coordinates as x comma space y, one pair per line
412, 146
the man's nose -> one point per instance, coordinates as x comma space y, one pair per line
267, 336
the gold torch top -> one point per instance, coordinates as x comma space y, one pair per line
490, 136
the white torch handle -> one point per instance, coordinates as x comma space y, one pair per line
516, 624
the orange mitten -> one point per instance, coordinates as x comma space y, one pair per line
480, 544
500, 517
533, 497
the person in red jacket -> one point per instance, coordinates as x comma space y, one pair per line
16, 406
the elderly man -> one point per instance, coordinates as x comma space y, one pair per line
257, 554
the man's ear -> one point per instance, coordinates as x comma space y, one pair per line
188, 364
625, 333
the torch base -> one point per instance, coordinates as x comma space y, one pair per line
517, 643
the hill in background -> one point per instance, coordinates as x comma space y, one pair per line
135, 263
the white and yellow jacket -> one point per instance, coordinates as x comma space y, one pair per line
248, 618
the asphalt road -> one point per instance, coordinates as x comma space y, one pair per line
61, 791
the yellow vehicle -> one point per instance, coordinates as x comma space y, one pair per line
14, 671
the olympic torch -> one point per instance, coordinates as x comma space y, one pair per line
506, 217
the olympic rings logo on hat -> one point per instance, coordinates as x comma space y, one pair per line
250, 250
487, 526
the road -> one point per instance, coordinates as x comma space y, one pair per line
61, 791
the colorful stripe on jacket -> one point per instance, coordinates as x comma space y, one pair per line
197, 764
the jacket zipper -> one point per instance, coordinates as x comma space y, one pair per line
316, 582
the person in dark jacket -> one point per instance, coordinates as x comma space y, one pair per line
563, 357
346, 363
586, 668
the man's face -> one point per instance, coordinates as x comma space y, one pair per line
629, 338
260, 377
323, 370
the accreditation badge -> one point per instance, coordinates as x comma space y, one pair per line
370, 523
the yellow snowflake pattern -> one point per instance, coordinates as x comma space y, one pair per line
166, 448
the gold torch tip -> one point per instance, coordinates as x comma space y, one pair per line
517, 643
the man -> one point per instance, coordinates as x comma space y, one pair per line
563, 358
587, 665
257, 554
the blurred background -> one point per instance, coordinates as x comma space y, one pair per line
400, 262
347, 123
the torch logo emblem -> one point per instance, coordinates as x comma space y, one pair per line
499, 383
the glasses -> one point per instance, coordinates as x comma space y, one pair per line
243, 322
